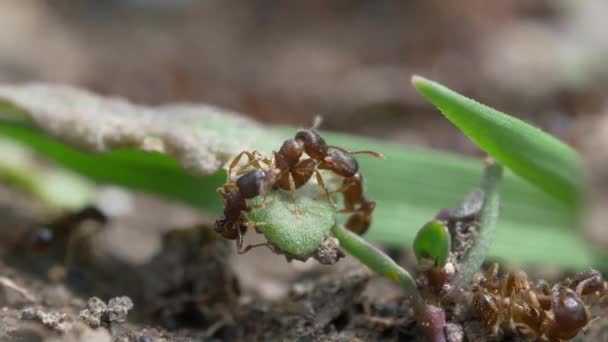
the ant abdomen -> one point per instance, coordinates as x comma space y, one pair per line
255, 183
249, 183
570, 315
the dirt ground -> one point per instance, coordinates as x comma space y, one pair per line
281, 64
165, 277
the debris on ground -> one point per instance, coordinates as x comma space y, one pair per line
51, 319
97, 313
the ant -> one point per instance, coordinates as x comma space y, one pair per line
294, 172
233, 225
535, 310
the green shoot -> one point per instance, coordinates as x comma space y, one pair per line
534, 155
433, 242
488, 218
376, 260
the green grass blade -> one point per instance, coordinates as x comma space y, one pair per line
532, 154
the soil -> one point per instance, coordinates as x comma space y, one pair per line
186, 284
186, 290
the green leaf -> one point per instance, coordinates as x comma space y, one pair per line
532, 154
433, 241
409, 186
299, 235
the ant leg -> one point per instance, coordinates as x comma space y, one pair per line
255, 162
250, 247
223, 190
322, 185
239, 240
292, 190
237, 159
255, 225
264, 203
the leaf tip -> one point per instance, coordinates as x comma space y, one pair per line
418, 80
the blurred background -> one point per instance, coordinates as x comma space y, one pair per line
349, 61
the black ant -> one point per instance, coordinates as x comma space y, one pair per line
233, 225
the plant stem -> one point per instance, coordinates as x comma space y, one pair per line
431, 319
377, 261
488, 217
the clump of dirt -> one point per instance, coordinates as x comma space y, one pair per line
97, 313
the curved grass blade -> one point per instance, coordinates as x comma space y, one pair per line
532, 154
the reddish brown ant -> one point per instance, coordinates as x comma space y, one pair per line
535, 311
233, 225
294, 172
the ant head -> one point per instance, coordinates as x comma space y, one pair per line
292, 150
314, 145
341, 163
587, 282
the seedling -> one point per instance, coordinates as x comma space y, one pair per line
509, 303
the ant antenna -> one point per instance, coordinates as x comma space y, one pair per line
372, 153
317, 121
